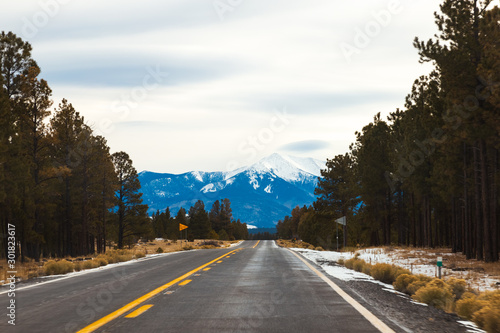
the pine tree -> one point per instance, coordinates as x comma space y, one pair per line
132, 220
459, 53
15, 62
180, 218
32, 105
199, 223
371, 153
215, 216
337, 191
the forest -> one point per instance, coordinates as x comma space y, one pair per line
218, 223
428, 175
62, 193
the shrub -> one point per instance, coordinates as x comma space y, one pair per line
319, 248
88, 264
383, 272
77, 266
358, 265
468, 305
414, 287
421, 281
367, 269
488, 318
138, 255
159, 250
210, 243
350, 263
101, 260
436, 293
458, 287
341, 261
58, 267
110, 258
187, 248
118, 256
397, 271
403, 281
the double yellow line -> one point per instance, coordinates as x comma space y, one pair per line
103, 321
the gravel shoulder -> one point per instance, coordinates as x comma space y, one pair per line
398, 310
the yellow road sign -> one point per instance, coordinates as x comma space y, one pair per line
182, 226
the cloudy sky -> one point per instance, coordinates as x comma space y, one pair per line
210, 85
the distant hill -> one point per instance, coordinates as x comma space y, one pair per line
260, 194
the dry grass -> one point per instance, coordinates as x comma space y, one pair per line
454, 264
50, 266
297, 244
175, 246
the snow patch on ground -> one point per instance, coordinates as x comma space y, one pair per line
208, 188
198, 176
412, 260
254, 182
471, 327
324, 260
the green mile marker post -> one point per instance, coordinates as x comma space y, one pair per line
439, 265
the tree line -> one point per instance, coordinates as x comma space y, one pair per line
60, 186
429, 174
218, 223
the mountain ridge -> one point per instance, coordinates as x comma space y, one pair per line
260, 194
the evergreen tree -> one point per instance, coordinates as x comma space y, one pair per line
337, 191
371, 153
132, 220
199, 223
181, 218
459, 52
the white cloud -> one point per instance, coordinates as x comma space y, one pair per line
227, 77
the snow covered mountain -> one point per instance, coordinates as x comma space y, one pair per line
260, 194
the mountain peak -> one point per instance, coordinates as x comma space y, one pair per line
260, 194
290, 168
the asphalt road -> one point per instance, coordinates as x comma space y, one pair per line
254, 287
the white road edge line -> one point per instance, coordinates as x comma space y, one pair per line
62, 277
380, 325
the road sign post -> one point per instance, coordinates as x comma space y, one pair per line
439, 264
343, 222
182, 227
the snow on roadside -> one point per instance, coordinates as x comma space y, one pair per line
59, 277
415, 261
324, 259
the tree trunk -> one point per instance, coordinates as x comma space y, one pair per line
494, 205
478, 226
485, 188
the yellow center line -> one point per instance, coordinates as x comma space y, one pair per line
104, 320
256, 244
139, 311
207, 269
219, 261
183, 283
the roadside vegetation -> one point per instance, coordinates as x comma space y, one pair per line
450, 294
297, 244
56, 266
428, 174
